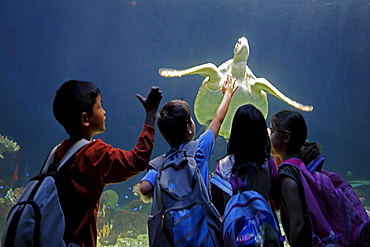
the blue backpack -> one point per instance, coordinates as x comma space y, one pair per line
37, 218
182, 213
248, 217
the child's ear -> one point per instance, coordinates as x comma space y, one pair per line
85, 119
189, 129
287, 135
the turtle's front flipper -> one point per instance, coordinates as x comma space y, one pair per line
263, 84
206, 70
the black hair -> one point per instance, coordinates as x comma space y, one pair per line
71, 100
294, 122
172, 121
249, 140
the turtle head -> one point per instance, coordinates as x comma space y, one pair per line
241, 48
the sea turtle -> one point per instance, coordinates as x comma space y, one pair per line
251, 90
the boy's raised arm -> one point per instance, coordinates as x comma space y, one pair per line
228, 90
151, 104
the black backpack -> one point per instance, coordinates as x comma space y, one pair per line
182, 213
37, 218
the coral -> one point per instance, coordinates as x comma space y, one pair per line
17, 193
105, 230
104, 216
136, 189
121, 226
140, 206
6, 203
104, 212
7, 145
5, 185
109, 198
129, 223
124, 224
13, 195
5, 206
141, 241
105, 225
105, 235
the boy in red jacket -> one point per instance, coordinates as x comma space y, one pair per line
78, 108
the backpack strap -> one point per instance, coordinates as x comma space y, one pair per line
156, 163
294, 162
189, 149
237, 184
71, 151
49, 160
222, 184
316, 164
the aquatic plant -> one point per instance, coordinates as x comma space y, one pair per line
7, 145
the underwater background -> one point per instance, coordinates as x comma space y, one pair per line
316, 52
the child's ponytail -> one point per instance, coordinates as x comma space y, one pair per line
309, 152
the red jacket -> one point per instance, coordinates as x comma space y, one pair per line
96, 165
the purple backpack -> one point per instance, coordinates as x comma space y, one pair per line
337, 216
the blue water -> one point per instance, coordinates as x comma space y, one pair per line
316, 52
